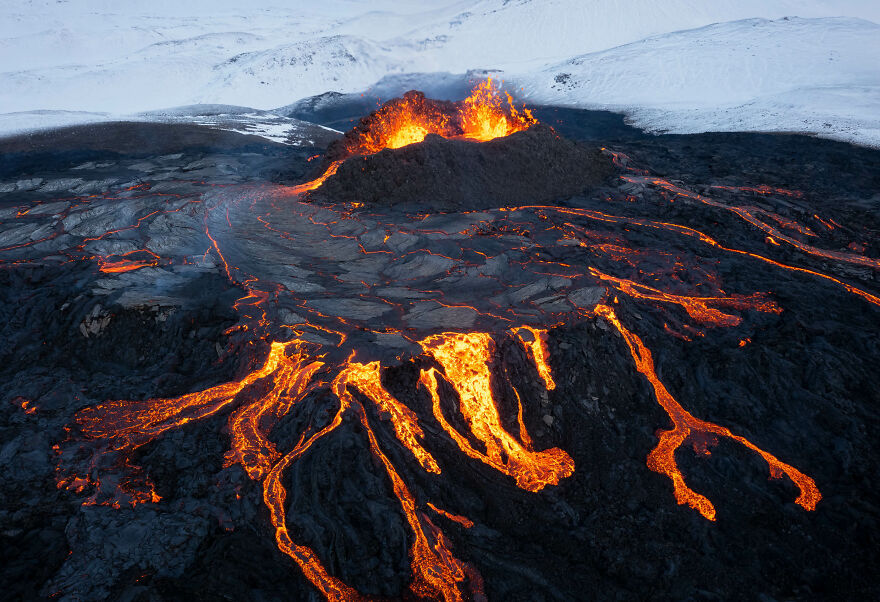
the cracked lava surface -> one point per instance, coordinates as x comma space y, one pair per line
336, 296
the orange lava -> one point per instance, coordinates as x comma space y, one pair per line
26, 404
536, 342
751, 216
115, 267
482, 116
249, 425
367, 379
398, 123
698, 308
275, 495
436, 572
461, 520
465, 360
127, 264
463, 372
685, 426
305, 187
130, 424
704, 238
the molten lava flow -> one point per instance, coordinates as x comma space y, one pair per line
367, 379
275, 495
484, 115
250, 424
436, 572
751, 216
127, 262
461, 520
708, 240
536, 343
697, 308
289, 374
465, 360
305, 187
130, 424
685, 427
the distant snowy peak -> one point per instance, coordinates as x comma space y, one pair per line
217, 43
722, 63
790, 74
508, 33
277, 75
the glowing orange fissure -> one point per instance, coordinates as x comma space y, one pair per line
465, 359
708, 240
461, 520
482, 116
286, 377
367, 379
436, 572
750, 215
127, 264
537, 346
316, 183
465, 363
698, 308
662, 458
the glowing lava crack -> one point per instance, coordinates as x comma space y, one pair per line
121, 427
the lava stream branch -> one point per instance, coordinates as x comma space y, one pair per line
275, 496
708, 240
465, 362
749, 215
535, 342
368, 380
698, 308
131, 424
436, 571
250, 425
662, 458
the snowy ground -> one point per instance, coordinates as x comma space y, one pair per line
786, 75
676, 65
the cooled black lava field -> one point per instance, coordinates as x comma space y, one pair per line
215, 385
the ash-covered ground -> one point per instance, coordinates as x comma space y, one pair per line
150, 272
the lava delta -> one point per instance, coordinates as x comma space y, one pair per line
465, 357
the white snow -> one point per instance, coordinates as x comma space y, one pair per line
791, 74
266, 124
677, 65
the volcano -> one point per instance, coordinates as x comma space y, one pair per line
535, 165
466, 357
479, 153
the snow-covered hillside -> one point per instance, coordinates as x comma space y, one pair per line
519, 35
658, 60
786, 75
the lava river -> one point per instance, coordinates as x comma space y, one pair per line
335, 296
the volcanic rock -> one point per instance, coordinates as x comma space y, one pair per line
536, 165
243, 263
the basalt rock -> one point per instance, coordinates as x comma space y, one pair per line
536, 165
